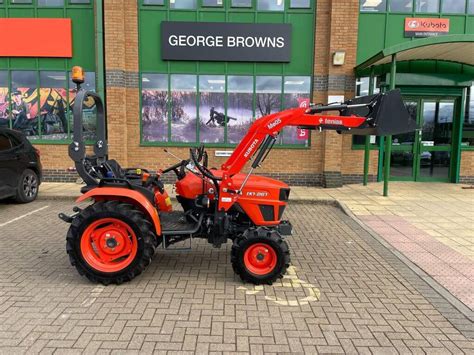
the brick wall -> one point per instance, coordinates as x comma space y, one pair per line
330, 153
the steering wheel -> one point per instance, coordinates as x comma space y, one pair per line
179, 173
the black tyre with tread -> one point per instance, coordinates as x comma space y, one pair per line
28, 187
269, 237
146, 240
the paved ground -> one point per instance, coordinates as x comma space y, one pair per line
431, 224
345, 293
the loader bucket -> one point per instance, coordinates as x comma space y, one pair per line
387, 115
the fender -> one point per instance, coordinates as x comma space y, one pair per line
136, 198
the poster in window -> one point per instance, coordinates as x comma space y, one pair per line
155, 107
53, 103
24, 103
296, 92
239, 107
268, 95
212, 117
89, 121
4, 97
183, 108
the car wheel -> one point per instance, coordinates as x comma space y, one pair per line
28, 186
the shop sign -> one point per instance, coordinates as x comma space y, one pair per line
222, 41
36, 37
426, 27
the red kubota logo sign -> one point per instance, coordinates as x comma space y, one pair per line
426, 27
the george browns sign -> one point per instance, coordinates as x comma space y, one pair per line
426, 27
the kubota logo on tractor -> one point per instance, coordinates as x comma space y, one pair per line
251, 148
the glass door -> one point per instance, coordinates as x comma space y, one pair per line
435, 140
404, 148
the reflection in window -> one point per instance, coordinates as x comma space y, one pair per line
401, 5
239, 107
271, 5
153, 2
51, 3
300, 4
4, 98
24, 102
470, 7
155, 107
53, 103
268, 95
212, 3
80, 1
468, 127
373, 5
431, 6
212, 117
21, 1
297, 91
90, 115
241, 3
454, 7
183, 108
362, 86
183, 4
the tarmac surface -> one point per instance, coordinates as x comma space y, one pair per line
345, 292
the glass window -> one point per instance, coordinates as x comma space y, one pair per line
183, 4
51, 3
79, 1
470, 7
454, 7
90, 114
468, 127
431, 6
297, 91
239, 107
212, 3
4, 98
300, 4
183, 108
268, 95
24, 103
153, 2
401, 5
155, 107
5, 143
271, 5
373, 5
212, 115
53, 103
241, 3
21, 1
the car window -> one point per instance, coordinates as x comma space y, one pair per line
5, 143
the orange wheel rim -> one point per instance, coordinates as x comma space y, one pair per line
260, 259
109, 245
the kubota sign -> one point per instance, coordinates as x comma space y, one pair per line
426, 27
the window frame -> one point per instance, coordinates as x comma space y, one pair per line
225, 144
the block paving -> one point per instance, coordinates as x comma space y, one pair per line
344, 293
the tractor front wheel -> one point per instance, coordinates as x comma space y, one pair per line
110, 242
260, 256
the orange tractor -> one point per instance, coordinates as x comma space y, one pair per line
114, 238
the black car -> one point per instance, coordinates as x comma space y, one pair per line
20, 167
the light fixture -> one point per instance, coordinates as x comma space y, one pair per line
293, 82
145, 80
339, 58
57, 77
216, 81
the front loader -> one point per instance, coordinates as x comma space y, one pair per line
114, 238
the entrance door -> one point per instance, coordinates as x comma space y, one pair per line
435, 140
425, 155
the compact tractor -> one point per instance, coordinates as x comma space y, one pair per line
113, 239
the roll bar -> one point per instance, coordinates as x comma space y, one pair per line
77, 149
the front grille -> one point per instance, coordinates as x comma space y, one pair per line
267, 212
284, 194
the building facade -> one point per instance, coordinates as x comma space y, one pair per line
168, 84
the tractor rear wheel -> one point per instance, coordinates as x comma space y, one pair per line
260, 256
110, 242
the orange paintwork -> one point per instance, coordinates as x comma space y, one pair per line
20, 37
122, 194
